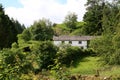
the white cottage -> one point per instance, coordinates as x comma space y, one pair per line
80, 41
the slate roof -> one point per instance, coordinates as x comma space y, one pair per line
72, 38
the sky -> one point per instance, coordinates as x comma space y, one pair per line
28, 11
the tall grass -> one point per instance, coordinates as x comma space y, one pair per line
111, 70
89, 66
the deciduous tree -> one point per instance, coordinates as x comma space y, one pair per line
93, 17
71, 20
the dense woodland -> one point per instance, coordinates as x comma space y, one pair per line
27, 51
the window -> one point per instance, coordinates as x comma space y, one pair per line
80, 42
70, 42
63, 42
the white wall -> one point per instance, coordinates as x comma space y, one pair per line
74, 43
57, 42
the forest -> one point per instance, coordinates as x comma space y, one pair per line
28, 53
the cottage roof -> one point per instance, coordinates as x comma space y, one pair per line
72, 38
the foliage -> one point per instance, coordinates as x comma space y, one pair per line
61, 29
58, 71
31, 57
97, 17
93, 17
8, 30
70, 21
108, 44
13, 64
116, 56
24, 37
18, 26
34, 56
110, 23
34, 52
102, 44
105, 48
46, 54
41, 30
69, 55
79, 29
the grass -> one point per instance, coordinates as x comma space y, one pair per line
89, 65
111, 70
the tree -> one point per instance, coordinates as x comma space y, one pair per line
111, 17
8, 30
70, 21
24, 37
18, 26
79, 29
41, 30
108, 44
46, 54
93, 17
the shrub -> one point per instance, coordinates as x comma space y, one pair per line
13, 64
69, 55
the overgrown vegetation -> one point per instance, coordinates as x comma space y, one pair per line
107, 46
27, 54
35, 57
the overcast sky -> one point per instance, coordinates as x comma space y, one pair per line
28, 11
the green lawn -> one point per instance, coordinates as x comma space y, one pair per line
89, 65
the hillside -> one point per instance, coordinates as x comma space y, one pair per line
62, 29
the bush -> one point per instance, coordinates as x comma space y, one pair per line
47, 52
69, 55
15, 62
